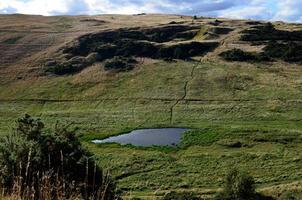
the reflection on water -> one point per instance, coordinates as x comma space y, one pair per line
148, 137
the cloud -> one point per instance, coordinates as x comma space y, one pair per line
8, 10
42, 7
252, 12
288, 10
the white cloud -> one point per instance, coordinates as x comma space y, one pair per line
39, 7
253, 12
289, 10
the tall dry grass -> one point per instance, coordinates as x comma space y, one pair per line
51, 185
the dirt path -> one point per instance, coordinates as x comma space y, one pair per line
185, 91
223, 44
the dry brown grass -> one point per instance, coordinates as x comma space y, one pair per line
47, 190
43, 36
277, 190
51, 186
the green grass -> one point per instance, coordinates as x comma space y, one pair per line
256, 105
203, 165
62, 24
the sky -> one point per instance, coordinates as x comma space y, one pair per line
275, 10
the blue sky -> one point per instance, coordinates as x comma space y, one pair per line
286, 10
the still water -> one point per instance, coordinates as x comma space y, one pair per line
148, 137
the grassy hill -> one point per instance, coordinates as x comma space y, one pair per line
255, 102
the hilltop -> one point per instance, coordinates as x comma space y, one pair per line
236, 84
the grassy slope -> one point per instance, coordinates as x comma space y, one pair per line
255, 104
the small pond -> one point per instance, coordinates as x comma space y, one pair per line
148, 137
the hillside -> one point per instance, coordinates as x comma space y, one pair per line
185, 73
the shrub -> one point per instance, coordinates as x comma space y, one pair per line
288, 51
230, 143
106, 51
237, 55
238, 186
179, 53
268, 27
164, 53
136, 42
73, 65
120, 64
30, 155
63, 68
185, 50
268, 32
220, 30
181, 196
135, 48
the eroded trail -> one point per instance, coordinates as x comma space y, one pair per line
185, 90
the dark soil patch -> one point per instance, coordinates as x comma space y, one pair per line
134, 42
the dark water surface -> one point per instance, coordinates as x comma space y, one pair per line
148, 137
